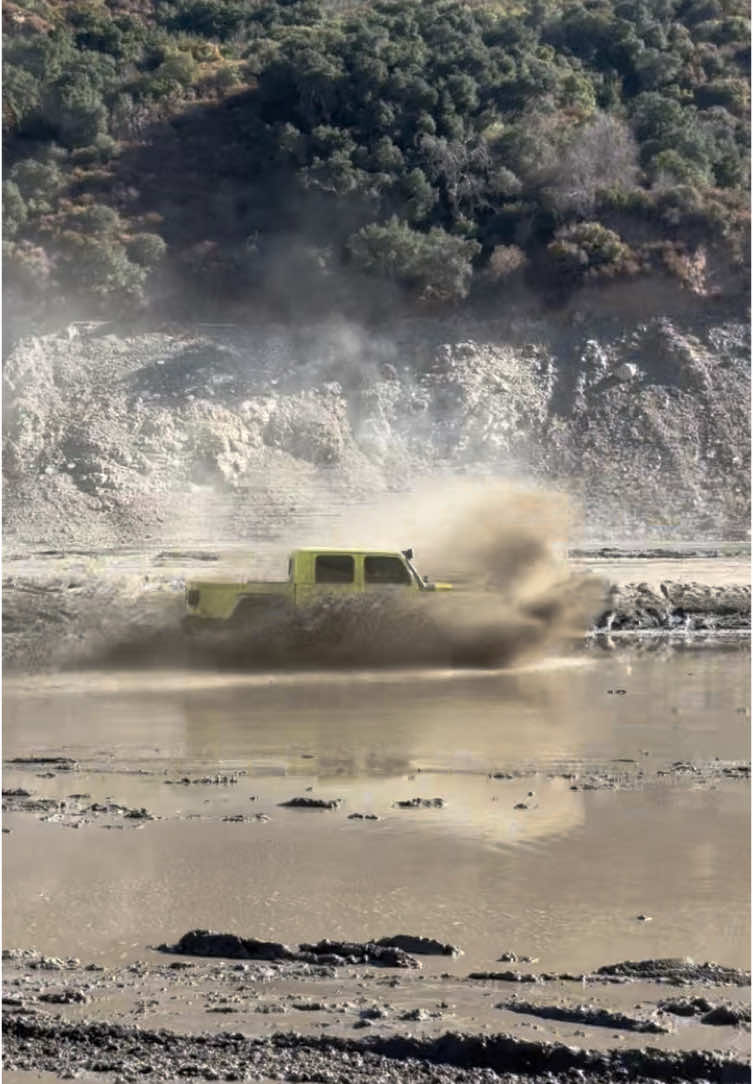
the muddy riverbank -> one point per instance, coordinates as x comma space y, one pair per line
274, 1023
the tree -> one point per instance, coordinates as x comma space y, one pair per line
434, 264
100, 267
588, 248
146, 249
96, 219
602, 154
38, 182
75, 109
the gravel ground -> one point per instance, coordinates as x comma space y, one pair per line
52, 1021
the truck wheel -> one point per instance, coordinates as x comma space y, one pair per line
256, 613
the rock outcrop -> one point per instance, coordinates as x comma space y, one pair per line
229, 433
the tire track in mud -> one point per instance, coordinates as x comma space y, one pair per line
161, 1054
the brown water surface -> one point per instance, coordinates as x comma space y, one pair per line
562, 880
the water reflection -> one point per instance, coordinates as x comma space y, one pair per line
562, 879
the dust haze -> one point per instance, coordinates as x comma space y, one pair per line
503, 549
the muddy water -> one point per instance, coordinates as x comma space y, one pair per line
562, 880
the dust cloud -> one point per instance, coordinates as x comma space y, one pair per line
502, 548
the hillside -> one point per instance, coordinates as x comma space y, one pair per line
285, 157
207, 435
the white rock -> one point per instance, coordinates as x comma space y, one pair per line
626, 371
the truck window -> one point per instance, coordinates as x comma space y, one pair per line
386, 570
334, 568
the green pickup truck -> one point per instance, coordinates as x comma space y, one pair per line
312, 574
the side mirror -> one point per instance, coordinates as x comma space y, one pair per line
408, 554
426, 579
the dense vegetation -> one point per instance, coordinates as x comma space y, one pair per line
264, 149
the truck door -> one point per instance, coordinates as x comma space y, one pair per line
334, 574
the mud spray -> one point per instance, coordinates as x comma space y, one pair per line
503, 549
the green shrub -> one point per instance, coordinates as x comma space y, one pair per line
74, 107
27, 267
210, 18
418, 194
39, 183
589, 249
97, 219
434, 264
224, 77
21, 95
99, 152
731, 94
14, 209
669, 167
99, 267
146, 249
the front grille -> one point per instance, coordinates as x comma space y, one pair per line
192, 596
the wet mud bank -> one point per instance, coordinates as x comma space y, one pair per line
675, 606
58, 1016
139, 1054
381, 953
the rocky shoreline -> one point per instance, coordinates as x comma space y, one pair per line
139, 1054
675, 606
55, 1019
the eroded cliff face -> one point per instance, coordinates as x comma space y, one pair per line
226, 434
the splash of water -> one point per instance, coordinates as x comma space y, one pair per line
514, 596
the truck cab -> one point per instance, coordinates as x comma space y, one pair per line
316, 572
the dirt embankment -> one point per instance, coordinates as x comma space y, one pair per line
675, 606
223, 433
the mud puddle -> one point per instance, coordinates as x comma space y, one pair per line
574, 799
584, 710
